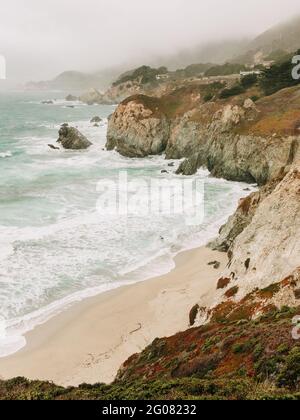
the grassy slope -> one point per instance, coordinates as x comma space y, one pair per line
239, 359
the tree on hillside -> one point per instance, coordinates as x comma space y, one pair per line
278, 77
225, 69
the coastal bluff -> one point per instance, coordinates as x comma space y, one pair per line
236, 139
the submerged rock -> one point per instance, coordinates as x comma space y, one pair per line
53, 147
71, 138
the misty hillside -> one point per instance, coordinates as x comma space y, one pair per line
217, 53
274, 43
271, 45
75, 80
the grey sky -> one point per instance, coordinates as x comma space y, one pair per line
41, 38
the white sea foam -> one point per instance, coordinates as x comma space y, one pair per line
5, 154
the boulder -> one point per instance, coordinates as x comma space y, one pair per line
71, 138
71, 98
96, 120
190, 166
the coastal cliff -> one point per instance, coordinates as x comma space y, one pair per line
263, 240
142, 124
236, 139
242, 346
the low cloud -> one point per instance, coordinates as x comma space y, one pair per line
42, 38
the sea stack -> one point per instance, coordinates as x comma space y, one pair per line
71, 138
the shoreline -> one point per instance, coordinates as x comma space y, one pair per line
88, 342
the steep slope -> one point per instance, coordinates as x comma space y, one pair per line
267, 250
273, 44
223, 360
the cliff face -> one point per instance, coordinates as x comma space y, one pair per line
138, 128
267, 251
236, 139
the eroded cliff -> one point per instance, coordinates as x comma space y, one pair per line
236, 138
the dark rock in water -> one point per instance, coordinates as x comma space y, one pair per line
47, 102
96, 120
70, 106
171, 164
96, 125
164, 171
71, 138
190, 165
71, 98
53, 147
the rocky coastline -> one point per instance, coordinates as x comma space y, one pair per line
238, 139
234, 139
240, 347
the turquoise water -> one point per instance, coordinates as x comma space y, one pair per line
55, 248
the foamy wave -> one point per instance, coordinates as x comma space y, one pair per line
5, 154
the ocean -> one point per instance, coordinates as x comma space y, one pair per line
55, 248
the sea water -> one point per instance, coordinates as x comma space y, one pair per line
55, 248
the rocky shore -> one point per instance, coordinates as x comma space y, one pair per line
236, 139
243, 344
241, 140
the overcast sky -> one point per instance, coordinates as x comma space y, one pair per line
41, 38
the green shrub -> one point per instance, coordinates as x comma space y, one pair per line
234, 91
278, 77
225, 69
249, 80
290, 374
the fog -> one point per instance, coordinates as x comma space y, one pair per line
40, 39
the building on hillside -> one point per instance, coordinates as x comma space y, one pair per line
250, 73
164, 76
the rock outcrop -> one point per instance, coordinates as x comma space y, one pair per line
263, 243
236, 139
229, 148
71, 138
92, 97
138, 128
268, 249
96, 120
242, 217
71, 98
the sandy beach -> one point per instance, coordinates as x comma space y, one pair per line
89, 342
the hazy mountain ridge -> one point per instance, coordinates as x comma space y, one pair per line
278, 40
272, 44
